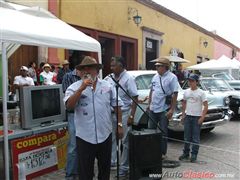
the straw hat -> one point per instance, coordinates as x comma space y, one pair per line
89, 62
65, 62
46, 65
162, 61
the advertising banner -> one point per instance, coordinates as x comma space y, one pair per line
39, 154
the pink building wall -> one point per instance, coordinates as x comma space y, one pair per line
238, 56
222, 49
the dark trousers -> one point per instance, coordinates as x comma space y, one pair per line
162, 120
88, 152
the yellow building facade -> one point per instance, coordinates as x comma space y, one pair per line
161, 32
166, 29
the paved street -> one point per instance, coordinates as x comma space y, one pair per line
218, 155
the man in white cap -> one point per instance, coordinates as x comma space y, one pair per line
22, 80
65, 69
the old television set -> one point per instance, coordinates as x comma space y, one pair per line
41, 105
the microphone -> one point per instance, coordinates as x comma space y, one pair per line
89, 76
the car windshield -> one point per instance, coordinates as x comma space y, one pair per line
215, 85
235, 85
144, 81
224, 76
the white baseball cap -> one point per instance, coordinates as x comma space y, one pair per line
24, 68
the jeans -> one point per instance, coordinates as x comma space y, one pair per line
162, 120
124, 165
191, 134
72, 156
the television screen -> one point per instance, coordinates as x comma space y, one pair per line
41, 105
45, 103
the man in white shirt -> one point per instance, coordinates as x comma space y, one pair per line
120, 74
162, 99
92, 98
194, 110
46, 77
22, 80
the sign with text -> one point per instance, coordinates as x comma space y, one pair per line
36, 155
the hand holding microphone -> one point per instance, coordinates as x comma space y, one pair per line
87, 81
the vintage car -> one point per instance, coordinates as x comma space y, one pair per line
218, 112
235, 84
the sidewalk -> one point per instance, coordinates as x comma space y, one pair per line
60, 175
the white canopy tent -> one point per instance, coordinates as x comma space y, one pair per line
221, 64
34, 26
214, 66
225, 60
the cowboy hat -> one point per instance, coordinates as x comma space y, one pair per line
162, 61
89, 62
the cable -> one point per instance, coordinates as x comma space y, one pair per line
210, 147
237, 168
200, 145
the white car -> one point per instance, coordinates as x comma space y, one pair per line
218, 112
235, 84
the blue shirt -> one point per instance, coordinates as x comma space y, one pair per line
92, 114
169, 84
129, 85
69, 79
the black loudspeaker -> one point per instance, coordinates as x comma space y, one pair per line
145, 155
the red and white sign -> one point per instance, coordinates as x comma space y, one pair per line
35, 155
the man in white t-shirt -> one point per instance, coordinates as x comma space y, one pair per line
194, 110
22, 80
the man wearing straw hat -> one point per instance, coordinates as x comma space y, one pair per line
92, 98
163, 98
46, 77
62, 71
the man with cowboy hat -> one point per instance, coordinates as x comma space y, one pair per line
92, 98
163, 98
62, 71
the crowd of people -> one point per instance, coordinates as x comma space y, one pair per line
30, 75
97, 118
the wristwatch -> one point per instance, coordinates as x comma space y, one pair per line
131, 117
120, 124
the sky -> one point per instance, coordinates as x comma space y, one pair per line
223, 16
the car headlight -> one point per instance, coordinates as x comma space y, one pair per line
227, 101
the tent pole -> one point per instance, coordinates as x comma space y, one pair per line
5, 122
100, 61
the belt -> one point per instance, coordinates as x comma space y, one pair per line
70, 111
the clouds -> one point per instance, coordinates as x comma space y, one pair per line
222, 16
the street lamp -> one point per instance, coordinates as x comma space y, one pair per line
134, 13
